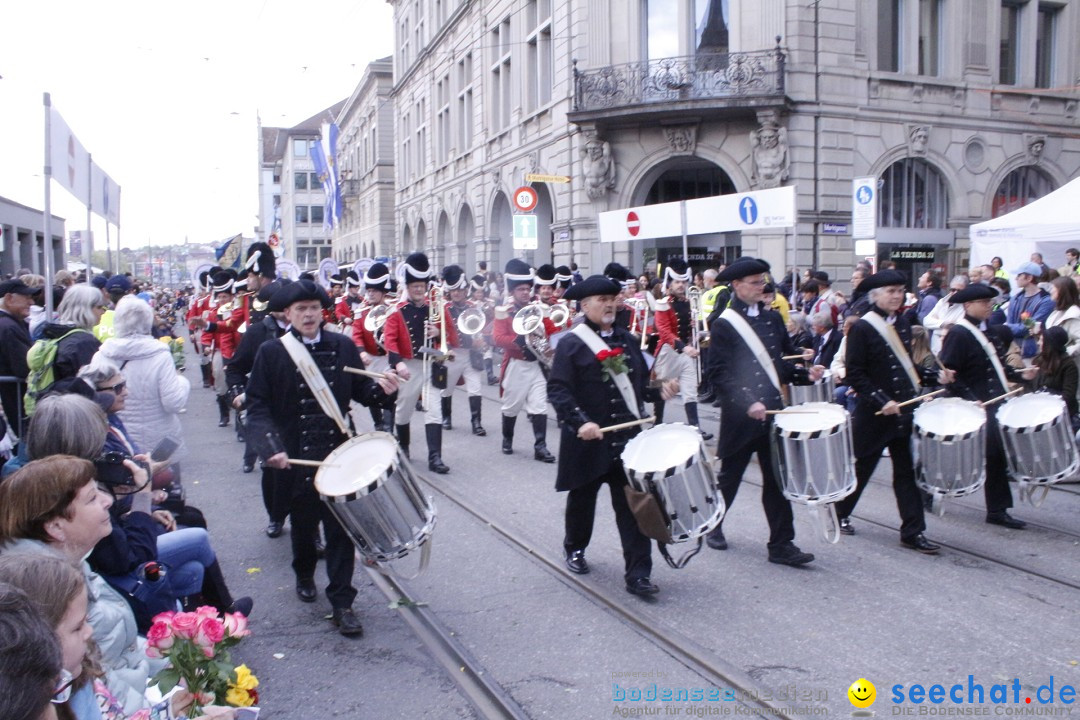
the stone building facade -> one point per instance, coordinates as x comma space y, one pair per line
960, 109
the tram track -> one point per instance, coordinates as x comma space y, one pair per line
488, 697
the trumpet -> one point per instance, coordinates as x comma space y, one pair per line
375, 319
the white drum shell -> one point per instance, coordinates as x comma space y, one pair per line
820, 392
815, 459
1038, 438
950, 443
672, 460
372, 491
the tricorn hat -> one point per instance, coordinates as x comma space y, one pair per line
743, 267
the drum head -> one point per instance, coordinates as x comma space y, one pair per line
661, 448
357, 466
1030, 410
949, 416
812, 417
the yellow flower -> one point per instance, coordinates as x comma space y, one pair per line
238, 697
245, 679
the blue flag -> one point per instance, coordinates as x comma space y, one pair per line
231, 252
323, 155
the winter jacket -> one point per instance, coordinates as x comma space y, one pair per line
156, 394
74, 351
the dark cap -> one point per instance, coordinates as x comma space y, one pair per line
743, 267
118, 283
17, 287
593, 285
822, 277
971, 293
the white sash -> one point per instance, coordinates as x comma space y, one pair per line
315, 380
753, 342
892, 338
988, 348
622, 382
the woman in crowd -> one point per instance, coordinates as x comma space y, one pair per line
78, 313
1066, 313
999, 271
156, 394
29, 659
921, 354
798, 331
1057, 371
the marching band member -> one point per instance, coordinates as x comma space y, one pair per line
976, 353
405, 336
523, 382
586, 395
200, 304
878, 365
376, 283
346, 306
677, 354
544, 284
468, 364
220, 336
288, 420
624, 316
748, 342
564, 278
478, 294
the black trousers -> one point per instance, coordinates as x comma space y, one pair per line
275, 494
305, 512
908, 498
996, 490
581, 512
777, 507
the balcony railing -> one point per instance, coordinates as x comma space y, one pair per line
718, 76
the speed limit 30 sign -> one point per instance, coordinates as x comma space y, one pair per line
525, 199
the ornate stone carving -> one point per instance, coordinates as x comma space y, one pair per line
918, 139
598, 167
1033, 147
681, 138
769, 148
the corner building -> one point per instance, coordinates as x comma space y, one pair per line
961, 109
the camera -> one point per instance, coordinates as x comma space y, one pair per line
111, 470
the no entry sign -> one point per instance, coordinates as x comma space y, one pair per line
633, 223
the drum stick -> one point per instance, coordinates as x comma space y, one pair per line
999, 398
623, 426
791, 412
800, 356
365, 373
310, 463
919, 399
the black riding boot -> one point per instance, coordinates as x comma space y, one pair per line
223, 411
434, 449
658, 411
474, 408
403, 438
540, 451
207, 375
492, 380
216, 592
508, 434
692, 418
447, 404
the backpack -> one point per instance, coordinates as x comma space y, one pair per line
41, 358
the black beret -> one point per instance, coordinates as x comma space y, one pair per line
743, 267
882, 278
971, 293
298, 291
593, 285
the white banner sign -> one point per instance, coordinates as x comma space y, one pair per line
105, 195
69, 160
863, 208
647, 222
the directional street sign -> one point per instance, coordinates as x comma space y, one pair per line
748, 210
535, 177
633, 223
525, 232
863, 208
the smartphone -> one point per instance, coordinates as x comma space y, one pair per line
164, 450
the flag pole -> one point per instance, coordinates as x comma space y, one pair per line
117, 270
88, 249
49, 272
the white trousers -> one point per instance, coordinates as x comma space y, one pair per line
409, 391
671, 364
524, 387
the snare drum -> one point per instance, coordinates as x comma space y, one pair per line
815, 460
820, 392
671, 460
950, 442
373, 493
1038, 439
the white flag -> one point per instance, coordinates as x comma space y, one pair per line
69, 160
105, 195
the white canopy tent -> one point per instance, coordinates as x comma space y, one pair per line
1050, 225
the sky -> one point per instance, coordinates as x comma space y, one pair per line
166, 97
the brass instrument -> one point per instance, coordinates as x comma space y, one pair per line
559, 313
224, 311
698, 324
529, 322
639, 307
471, 321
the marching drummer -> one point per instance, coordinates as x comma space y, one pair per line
287, 419
880, 369
588, 393
747, 369
976, 352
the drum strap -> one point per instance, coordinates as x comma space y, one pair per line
685, 558
622, 382
315, 380
753, 342
988, 348
892, 339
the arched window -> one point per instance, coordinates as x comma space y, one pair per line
912, 194
1020, 187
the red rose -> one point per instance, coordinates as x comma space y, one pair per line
604, 354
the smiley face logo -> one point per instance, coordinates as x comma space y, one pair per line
862, 693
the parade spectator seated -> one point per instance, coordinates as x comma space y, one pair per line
30, 659
798, 331
844, 393
1057, 371
156, 393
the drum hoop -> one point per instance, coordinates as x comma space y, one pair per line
951, 437
1031, 428
651, 475
809, 434
360, 491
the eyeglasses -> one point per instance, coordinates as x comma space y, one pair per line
117, 388
62, 693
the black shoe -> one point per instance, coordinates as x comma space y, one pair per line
508, 446
478, 429
790, 555
1003, 518
716, 540
306, 590
347, 622
845, 527
705, 435
717, 402
708, 397
541, 453
248, 467
575, 562
274, 529
320, 548
508, 424
436, 465
642, 587
223, 422
241, 605
920, 543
